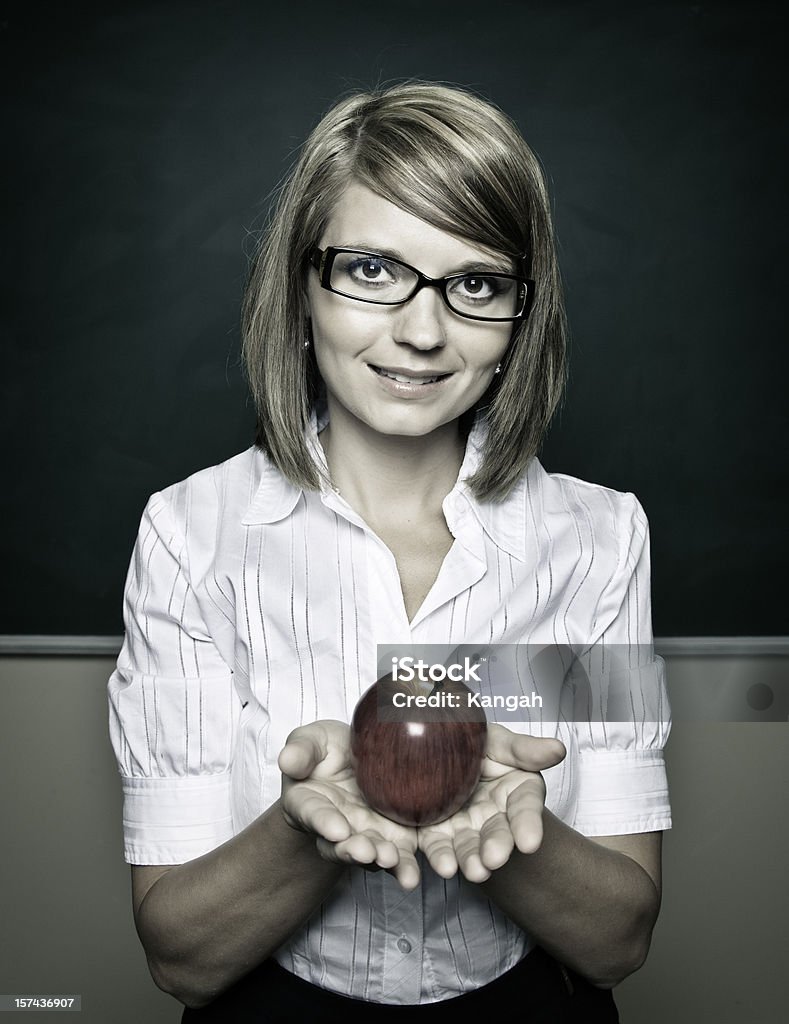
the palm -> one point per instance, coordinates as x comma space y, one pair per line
320, 795
306, 800
504, 811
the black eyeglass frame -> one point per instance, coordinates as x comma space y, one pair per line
323, 261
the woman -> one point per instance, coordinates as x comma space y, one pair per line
404, 338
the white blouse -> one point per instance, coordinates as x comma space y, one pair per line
253, 607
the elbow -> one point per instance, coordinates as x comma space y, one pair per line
629, 954
194, 992
184, 969
627, 957
615, 970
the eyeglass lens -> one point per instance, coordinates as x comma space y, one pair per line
376, 279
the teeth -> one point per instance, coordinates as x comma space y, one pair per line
402, 379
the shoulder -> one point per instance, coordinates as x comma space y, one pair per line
227, 484
607, 525
595, 506
591, 542
193, 511
553, 499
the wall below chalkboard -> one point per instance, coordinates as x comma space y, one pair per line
58, 780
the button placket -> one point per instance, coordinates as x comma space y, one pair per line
404, 924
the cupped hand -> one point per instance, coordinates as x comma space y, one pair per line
503, 813
320, 795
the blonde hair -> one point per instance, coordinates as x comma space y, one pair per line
457, 162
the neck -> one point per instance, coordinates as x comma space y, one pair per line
382, 475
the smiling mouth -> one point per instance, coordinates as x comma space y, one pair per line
403, 378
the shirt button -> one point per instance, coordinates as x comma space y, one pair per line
404, 945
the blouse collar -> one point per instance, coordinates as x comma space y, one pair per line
504, 521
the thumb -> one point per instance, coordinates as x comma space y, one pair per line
528, 753
302, 752
321, 747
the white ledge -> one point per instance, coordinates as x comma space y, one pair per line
672, 646
105, 646
721, 646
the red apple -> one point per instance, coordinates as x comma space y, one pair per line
417, 764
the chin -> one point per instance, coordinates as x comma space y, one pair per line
409, 426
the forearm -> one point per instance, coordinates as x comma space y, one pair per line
206, 923
593, 908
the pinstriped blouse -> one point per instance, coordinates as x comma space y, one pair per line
252, 607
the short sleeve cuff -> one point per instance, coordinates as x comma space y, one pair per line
622, 792
173, 820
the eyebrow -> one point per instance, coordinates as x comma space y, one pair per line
478, 266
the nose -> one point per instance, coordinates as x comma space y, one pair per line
420, 322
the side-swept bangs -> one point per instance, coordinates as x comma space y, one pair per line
458, 163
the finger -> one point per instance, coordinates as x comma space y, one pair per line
407, 871
364, 851
439, 850
387, 855
370, 847
356, 849
525, 806
335, 854
496, 842
315, 813
467, 851
529, 753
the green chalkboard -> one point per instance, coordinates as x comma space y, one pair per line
142, 140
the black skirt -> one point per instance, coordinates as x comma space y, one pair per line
538, 989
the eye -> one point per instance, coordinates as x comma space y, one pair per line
369, 269
370, 277
474, 288
477, 286
373, 271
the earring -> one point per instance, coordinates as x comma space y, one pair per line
498, 368
306, 342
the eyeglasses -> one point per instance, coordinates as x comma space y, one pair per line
369, 277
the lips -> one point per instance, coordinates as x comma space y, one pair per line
403, 376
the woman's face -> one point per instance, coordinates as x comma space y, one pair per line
409, 369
